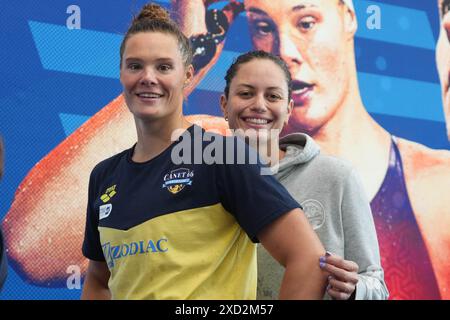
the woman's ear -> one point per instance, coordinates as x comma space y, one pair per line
223, 106
189, 75
290, 107
350, 22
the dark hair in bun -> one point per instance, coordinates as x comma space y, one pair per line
154, 18
153, 12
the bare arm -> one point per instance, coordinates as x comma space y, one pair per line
294, 244
96, 283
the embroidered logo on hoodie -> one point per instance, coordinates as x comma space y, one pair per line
314, 212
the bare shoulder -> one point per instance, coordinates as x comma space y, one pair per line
424, 164
210, 123
427, 177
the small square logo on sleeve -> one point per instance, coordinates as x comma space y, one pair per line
105, 211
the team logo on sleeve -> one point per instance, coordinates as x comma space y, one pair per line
109, 193
176, 180
105, 211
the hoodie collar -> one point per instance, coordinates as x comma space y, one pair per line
299, 147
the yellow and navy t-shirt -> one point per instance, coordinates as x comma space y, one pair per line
170, 230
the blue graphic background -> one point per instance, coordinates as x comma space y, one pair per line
53, 79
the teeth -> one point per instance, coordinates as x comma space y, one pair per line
256, 121
149, 95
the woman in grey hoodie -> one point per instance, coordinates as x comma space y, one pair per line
257, 100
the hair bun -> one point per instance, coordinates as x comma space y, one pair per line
153, 12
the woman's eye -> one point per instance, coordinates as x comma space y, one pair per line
244, 94
165, 67
134, 66
306, 23
274, 97
262, 28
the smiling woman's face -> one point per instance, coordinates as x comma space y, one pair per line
314, 39
153, 77
258, 98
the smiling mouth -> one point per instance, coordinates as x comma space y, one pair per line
256, 122
149, 95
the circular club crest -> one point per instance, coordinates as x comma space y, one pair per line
314, 212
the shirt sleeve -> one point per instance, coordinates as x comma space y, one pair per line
361, 243
92, 248
253, 198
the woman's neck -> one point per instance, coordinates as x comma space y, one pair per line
355, 136
156, 136
351, 132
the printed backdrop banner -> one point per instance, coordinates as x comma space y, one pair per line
61, 113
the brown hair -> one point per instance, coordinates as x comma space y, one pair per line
253, 55
154, 18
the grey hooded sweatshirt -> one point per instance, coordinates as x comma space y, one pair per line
337, 208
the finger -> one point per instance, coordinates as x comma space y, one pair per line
339, 262
338, 295
340, 274
346, 287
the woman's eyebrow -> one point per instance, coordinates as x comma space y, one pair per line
303, 6
257, 11
293, 9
